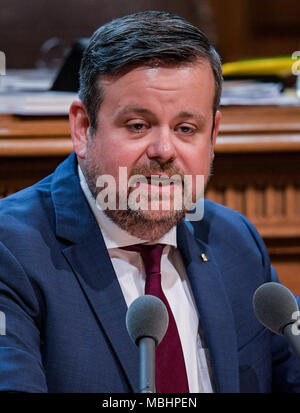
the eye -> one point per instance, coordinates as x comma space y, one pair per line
137, 126
186, 129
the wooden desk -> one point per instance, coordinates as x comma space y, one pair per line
256, 170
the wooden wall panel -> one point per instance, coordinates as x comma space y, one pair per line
256, 28
26, 26
17, 173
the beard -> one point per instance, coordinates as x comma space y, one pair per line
148, 225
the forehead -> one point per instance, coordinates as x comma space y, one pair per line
165, 83
197, 67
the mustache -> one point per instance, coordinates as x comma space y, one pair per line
154, 168
157, 174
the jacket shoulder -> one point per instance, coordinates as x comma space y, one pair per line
25, 212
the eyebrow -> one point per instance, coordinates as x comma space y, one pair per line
136, 109
144, 111
192, 114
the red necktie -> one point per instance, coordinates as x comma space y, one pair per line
170, 371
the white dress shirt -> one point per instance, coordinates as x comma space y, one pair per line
129, 269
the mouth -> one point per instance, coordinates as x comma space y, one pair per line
156, 191
160, 180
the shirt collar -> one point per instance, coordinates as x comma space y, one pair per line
113, 235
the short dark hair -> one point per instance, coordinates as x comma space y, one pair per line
144, 38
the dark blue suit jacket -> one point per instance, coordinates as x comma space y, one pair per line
65, 312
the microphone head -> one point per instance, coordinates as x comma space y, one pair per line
147, 316
274, 305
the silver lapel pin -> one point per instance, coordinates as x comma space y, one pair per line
204, 257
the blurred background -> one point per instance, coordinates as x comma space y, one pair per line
38, 32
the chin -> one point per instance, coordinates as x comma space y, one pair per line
147, 225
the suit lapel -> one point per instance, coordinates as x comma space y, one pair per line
87, 255
214, 308
96, 276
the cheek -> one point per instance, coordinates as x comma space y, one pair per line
197, 161
110, 158
128, 156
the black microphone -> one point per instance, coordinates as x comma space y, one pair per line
147, 321
276, 308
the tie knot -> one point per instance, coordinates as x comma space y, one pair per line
151, 255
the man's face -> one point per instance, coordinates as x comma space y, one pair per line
153, 121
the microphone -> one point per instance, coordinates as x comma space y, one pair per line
276, 308
147, 321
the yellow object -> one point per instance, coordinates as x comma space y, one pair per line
278, 66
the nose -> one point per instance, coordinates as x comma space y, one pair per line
161, 147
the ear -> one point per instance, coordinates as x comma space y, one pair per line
215, 131
79, 126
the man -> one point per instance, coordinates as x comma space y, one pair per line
150, 86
